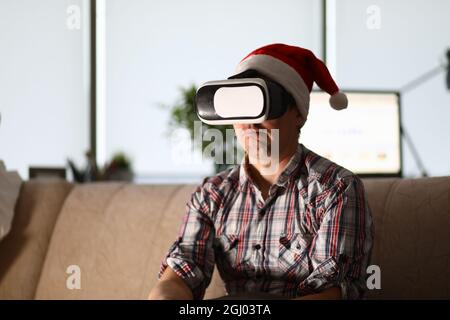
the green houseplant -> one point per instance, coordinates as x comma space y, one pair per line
119, 168
183, 115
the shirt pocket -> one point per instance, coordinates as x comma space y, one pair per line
293, 256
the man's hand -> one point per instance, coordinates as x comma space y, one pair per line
170, 287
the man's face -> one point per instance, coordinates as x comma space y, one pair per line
287, 137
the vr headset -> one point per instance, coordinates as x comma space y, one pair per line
248, 97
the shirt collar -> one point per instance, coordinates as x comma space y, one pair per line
285, 175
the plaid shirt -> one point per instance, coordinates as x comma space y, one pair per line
313, 231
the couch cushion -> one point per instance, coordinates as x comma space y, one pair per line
10, 183
412, 223
23, 250
117, 234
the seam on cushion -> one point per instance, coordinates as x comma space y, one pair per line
167, 202
106, 208
176, 189
63, 204
386, 206
113, 196
74, 186
388, 202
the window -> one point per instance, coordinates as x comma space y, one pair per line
43, 83
154, 47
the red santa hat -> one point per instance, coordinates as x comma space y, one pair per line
295, 69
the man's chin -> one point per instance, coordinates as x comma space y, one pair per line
262, 158
266, 166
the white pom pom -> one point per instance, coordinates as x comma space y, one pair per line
339, 101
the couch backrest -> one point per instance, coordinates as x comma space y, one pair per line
23, 251
118, 233
412, 237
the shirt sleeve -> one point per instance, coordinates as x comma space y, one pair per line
341, 249
191, 255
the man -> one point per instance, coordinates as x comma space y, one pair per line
302, 231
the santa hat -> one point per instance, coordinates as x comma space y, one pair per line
295, 69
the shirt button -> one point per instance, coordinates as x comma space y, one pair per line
257, 246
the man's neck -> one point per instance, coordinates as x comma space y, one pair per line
265, 178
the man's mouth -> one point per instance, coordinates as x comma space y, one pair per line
255, 134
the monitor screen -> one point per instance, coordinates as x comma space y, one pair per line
364, 138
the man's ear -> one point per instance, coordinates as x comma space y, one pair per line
299, 118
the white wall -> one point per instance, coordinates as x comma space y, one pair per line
43, 94
154, 47
412, 39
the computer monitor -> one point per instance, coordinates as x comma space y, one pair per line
364, 138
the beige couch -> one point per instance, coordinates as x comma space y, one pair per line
118, 233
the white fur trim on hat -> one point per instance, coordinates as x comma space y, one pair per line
282, 73
339, 101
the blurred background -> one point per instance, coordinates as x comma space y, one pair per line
97, 82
